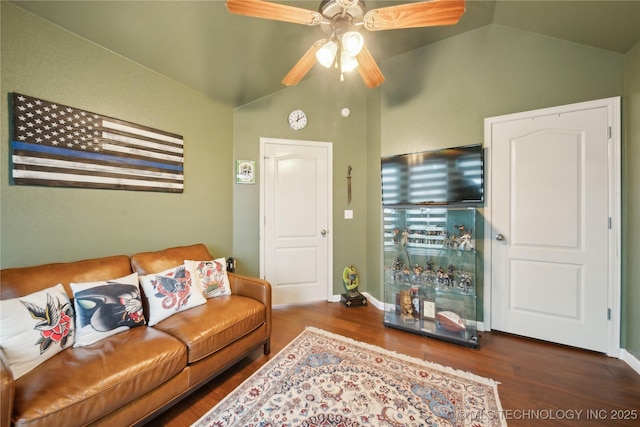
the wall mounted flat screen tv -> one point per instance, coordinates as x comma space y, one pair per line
448, 176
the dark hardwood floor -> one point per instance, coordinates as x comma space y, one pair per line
541, 384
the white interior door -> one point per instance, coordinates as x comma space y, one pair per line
551, 225
296, 203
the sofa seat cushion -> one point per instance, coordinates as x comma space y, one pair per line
82, 384
212, 326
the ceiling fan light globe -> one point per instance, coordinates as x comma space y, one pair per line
327, 54
352, 42
348, 62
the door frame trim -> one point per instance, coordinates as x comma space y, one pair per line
615, 182
262, 219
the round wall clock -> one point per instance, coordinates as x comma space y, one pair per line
297, 119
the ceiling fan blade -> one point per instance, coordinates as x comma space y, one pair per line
303, 66
275, 11
368, 69
411, 15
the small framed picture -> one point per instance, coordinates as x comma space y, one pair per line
245, 172
428, 309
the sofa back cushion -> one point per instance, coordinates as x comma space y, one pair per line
156, 262
21, 281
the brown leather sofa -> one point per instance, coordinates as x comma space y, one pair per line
128, 378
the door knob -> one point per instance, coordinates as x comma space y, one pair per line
324, 233
499, 237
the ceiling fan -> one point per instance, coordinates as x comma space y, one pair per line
341, 20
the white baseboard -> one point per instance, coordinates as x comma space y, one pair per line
334, 298
373, 301
630, 359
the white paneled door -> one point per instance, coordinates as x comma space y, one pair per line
296, 214
551, 223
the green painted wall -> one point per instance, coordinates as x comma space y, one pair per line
491, 71
47, 224
374, 195
631, 205
321, 98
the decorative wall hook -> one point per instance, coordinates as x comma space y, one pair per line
349, 169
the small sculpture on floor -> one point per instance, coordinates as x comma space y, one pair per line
352, 298
350, 279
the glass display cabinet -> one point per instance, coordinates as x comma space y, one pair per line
430, 271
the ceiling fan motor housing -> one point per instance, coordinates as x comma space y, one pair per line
340, 15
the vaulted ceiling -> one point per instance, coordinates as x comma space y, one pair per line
237, 59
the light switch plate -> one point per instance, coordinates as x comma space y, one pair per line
348, 214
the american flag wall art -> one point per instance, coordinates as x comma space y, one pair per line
57, 145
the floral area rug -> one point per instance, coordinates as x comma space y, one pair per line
321, 379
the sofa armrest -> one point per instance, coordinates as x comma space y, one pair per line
7, 390
250, 287
255, 288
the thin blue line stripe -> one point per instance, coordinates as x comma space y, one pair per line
18, 145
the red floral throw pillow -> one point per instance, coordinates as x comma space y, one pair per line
35, 328
210, 276
170, 292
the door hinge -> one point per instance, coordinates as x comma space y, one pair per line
609, 223
609, 132
608, 314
